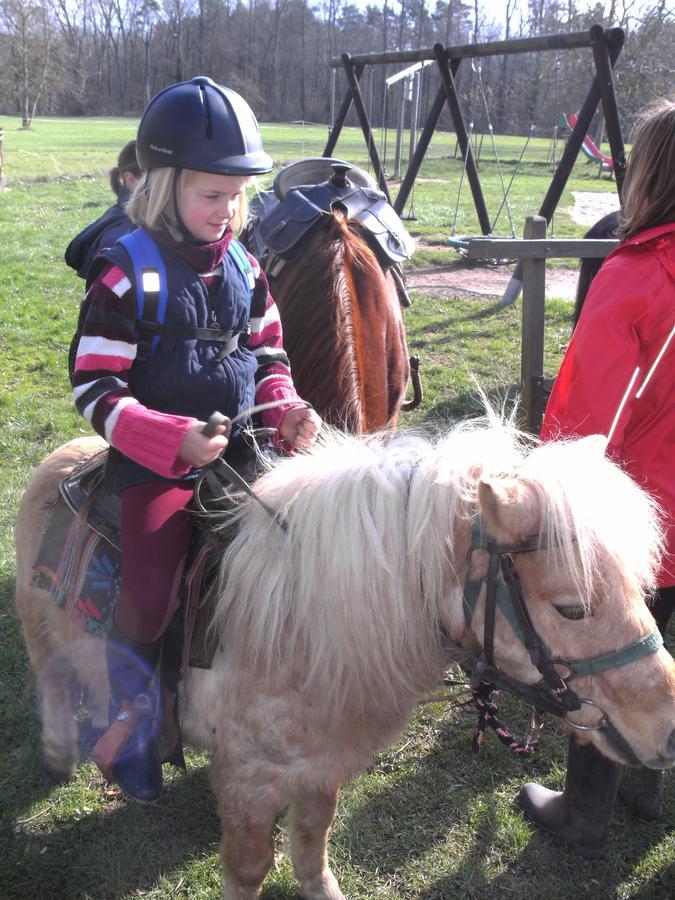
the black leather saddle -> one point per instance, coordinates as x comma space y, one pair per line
282, 218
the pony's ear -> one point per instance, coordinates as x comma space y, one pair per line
509, 509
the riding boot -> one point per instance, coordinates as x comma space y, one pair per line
641, 789
134, 692
580, 815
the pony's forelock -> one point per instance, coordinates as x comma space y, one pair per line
585, 501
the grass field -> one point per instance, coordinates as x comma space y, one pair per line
428, 820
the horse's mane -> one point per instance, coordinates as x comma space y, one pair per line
315, 296
358, 581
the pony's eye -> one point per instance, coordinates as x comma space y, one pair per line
572, 612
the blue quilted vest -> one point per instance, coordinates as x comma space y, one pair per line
184, 376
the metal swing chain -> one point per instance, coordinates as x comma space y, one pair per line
505, 201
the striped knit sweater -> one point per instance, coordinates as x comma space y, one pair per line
107, 350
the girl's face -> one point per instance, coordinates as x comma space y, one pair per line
208, 202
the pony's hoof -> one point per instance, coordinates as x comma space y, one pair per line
323, 887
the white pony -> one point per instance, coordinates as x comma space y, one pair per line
331, 618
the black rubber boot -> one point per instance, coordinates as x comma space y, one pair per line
132, 677
641, 789
578, 817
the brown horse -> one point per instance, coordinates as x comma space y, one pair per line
331, 628
337, 300
332, 248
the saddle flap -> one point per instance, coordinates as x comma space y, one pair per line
284, 226
381, 220
81, 491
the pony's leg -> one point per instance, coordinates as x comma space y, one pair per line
56, 696
54, 678
310, 816
248, 808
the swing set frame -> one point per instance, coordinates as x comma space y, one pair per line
606, 45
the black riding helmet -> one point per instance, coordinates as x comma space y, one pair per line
204, 126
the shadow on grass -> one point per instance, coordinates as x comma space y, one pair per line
22, 781
463, 311
542, 868
116, 851
452, 815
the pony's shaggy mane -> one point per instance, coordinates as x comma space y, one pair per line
365, 569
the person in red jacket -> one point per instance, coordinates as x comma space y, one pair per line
625, 337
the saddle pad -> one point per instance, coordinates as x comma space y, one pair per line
79, 568
82, 571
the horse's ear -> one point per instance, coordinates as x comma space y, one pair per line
509, 509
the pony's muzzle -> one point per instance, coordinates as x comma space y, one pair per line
670, 748
666, 754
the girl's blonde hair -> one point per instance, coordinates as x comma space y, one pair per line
648, 192
153, 202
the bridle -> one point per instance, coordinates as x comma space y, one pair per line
553, 693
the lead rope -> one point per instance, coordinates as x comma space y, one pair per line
483, 698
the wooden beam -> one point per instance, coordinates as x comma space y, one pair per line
565, 41
538, 248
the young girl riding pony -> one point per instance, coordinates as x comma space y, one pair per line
199, 146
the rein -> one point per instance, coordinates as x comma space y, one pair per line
553, 693
220, 475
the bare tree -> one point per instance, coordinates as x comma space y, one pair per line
31, 37
74, 24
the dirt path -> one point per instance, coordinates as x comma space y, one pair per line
489, 282
590, 206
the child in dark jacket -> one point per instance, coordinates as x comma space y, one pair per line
114, 222
199, 146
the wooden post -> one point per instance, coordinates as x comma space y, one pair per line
532, 336
533, 251
570, 153
605, 81
342, 115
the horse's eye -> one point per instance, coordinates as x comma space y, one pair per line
572, 612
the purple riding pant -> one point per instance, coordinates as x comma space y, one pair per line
156, 532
